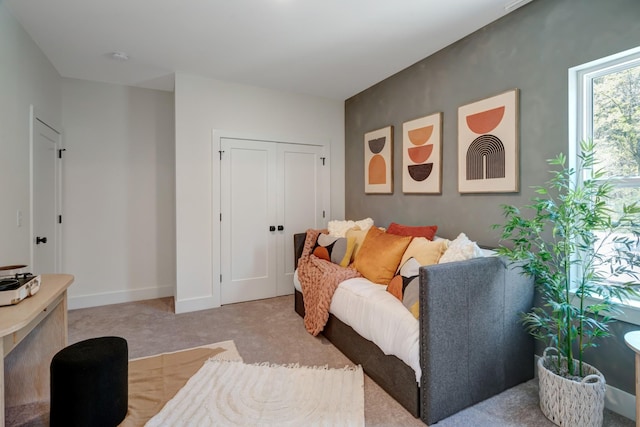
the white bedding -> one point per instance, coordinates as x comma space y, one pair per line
382, 319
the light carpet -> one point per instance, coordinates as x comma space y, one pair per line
228, 393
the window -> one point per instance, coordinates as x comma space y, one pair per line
604, 100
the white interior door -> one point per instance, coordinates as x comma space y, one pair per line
248, 202
45, 198
269, 191
300, 202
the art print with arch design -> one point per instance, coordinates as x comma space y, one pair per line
488, 152
378, 161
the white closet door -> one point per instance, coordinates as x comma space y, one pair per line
248, 202
300, 202
269, 191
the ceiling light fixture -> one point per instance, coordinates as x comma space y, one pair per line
120, 56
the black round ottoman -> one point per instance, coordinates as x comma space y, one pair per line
89, 383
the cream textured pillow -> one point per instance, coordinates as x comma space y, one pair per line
424, 251
364, 224
380, 255
461, 249
339, 228
358, 236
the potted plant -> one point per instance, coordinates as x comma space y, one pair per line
584, 258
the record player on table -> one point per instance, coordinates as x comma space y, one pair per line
16, 284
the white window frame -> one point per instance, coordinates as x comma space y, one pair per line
581, 128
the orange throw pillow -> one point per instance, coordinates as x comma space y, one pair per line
428, 231
396, 286
380, 255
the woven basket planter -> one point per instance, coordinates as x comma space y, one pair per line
567, 402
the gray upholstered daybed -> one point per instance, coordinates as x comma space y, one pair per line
472, 344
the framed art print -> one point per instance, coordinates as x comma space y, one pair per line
488, 145
378, 161
422, 155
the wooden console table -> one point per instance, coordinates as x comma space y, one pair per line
32, 332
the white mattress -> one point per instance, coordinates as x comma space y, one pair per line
378, 316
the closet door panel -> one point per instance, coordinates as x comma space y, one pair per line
248, 247
300, 202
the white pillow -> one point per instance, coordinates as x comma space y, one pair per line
365, 224
488, 252
339, 228
461, 249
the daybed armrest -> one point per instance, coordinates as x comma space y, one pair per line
298, 246
473, 345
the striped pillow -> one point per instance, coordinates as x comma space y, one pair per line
337, 250
406, 284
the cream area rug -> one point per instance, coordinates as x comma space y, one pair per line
232, 393
154, 380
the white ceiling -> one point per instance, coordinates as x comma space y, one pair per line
329, 48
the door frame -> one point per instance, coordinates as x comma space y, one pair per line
35, 115
216, 186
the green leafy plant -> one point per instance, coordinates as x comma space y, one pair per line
584, 257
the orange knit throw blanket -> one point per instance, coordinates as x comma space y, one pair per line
319, 279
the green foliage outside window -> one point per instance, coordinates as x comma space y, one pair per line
616, 122
616, 135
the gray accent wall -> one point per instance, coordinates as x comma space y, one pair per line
530, 49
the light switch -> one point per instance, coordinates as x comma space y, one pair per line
19, 218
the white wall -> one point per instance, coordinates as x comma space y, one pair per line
203, 105
26, 78
118, 192
121, 238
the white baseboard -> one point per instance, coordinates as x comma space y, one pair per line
118, 297
615, 400
195, 304
620, 402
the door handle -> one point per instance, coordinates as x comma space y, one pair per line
280, 227
41, 240
272, 228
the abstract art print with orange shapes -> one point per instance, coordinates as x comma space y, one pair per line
488, 145
378, 161
422, 155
